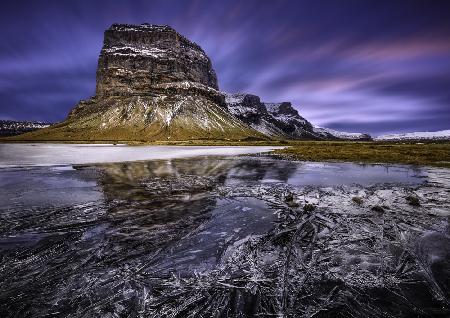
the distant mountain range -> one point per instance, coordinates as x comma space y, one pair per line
416, 136
154, 84
13, 128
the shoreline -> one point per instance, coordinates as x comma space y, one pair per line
31, 155
430, 153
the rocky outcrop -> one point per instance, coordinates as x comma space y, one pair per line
294, 125
280, 120
152, 84
135, 59
250, 110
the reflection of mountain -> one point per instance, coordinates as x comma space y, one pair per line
153, 204
256, 170
164, 179
178, 194
185, 178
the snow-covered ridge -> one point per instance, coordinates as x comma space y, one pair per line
153, 28
284, 112
273, 107
11, 127
425, 135
280, 120
134, 51
233, 99
11, 124
340, 134
140, 27
187, 85
154, 52
239, 107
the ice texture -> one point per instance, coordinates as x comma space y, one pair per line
224, 237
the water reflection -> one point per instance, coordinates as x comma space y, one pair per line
95, 239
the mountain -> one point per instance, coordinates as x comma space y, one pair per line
12, 128
416, 136
152, 84
250, 110
340, 135
280, 120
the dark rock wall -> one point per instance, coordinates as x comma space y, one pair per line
135, 58
278, 120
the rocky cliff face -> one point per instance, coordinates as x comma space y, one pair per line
250, 110
136, 59
273, 120
294, 125
280, 120
152, 84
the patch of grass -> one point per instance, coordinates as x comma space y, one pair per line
433, 154
377, 208
357, 200
308, 207
412, 200
290, 200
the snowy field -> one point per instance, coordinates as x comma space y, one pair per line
14, 155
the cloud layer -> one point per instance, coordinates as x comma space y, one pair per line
351, 65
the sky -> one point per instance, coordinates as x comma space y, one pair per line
359, 66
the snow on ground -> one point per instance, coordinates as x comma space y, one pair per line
437, 135
16, 155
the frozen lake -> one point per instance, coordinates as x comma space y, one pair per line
63, 154
202, 230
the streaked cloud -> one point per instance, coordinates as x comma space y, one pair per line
352, 65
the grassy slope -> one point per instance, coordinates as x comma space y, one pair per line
145, 119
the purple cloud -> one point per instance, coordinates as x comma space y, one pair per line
353, 65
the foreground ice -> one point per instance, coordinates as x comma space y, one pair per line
17, 155
224, 237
